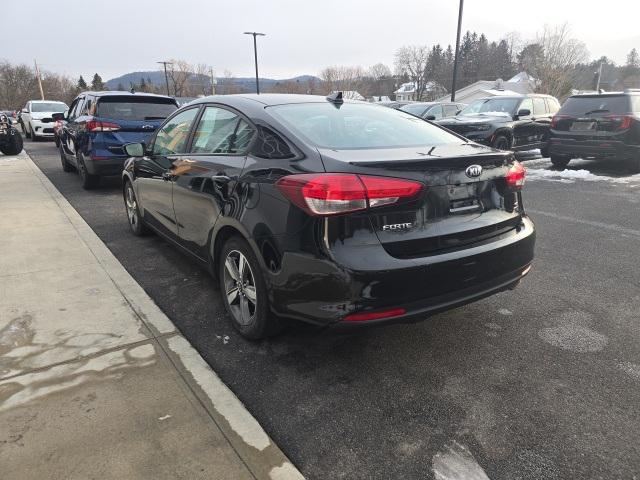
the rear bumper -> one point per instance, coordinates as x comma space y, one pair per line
324, 291
104, 166
600, 149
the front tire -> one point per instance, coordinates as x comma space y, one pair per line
27, 133
89, 181
244, 292
501, 142
136, 223
13, 146
560, 162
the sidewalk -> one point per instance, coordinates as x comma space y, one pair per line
95, 381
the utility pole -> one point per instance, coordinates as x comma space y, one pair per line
213, 88
599, 77
39, 79
255, 55
455, 58
166, 78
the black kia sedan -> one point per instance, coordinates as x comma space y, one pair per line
329, 211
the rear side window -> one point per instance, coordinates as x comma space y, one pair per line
553, 105
450, 110
436, 111
135, 108
172, 137
539, 107
221, 131
270, 145
595, 106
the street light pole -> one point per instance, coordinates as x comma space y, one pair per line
166, 78
455, 58
255, 56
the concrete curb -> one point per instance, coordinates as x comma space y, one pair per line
252, 444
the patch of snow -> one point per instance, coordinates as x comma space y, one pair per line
631, 369
505, 311
455, 462
164, 417
571, 175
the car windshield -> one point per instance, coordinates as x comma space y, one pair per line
56, 107
592, 106
359, 126
491, 105
135, 108
414, 109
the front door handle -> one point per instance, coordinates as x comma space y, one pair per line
221, 178
166, 176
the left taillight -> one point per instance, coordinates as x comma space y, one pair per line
100, 126
324, 194
516, 175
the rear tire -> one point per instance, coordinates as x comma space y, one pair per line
13, 146
136, 223
244, 291
560, 162
66, 166
501, 142
25, 128
89, 181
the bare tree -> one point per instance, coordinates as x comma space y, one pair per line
179, 73
560, 54
411, 61
342, 78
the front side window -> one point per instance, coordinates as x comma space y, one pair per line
417, 110
527, 104
436, 111
221, 131
450, 110
172, 137
358, 126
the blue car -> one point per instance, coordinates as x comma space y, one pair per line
98, 124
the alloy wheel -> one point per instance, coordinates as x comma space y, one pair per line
240, 287
132, 207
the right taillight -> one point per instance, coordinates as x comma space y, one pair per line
323, 194
624, 121
515, 175
556, 118
99, 126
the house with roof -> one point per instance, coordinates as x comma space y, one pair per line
407, 92
520, 84
350, 95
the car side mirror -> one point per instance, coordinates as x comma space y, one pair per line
24, 110
458, 112
430, 117
134, 149
525, 112
58, 116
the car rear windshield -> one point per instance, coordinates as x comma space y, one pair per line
55, 107
135, 108
594, 106
359, 126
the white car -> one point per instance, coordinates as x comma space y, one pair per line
36, 118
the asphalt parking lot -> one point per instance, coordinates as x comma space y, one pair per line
539, 383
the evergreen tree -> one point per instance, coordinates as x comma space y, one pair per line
143, 85
81, 85
96, 83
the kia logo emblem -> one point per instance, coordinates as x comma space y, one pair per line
473, 171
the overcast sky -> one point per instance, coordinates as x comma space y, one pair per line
115, 37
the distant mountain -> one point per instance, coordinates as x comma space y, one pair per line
157, 78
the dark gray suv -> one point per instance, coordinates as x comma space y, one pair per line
507, 122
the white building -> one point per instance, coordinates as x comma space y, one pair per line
351, 95
520, 84
407, 91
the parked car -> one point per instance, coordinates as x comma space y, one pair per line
597, 126
37, 118
394, 104
98, 124
328, 211
507, 122
11, 116
433, 110
10, 138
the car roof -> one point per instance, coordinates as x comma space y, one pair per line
107, 93
47, 101
605, 94
268, 99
